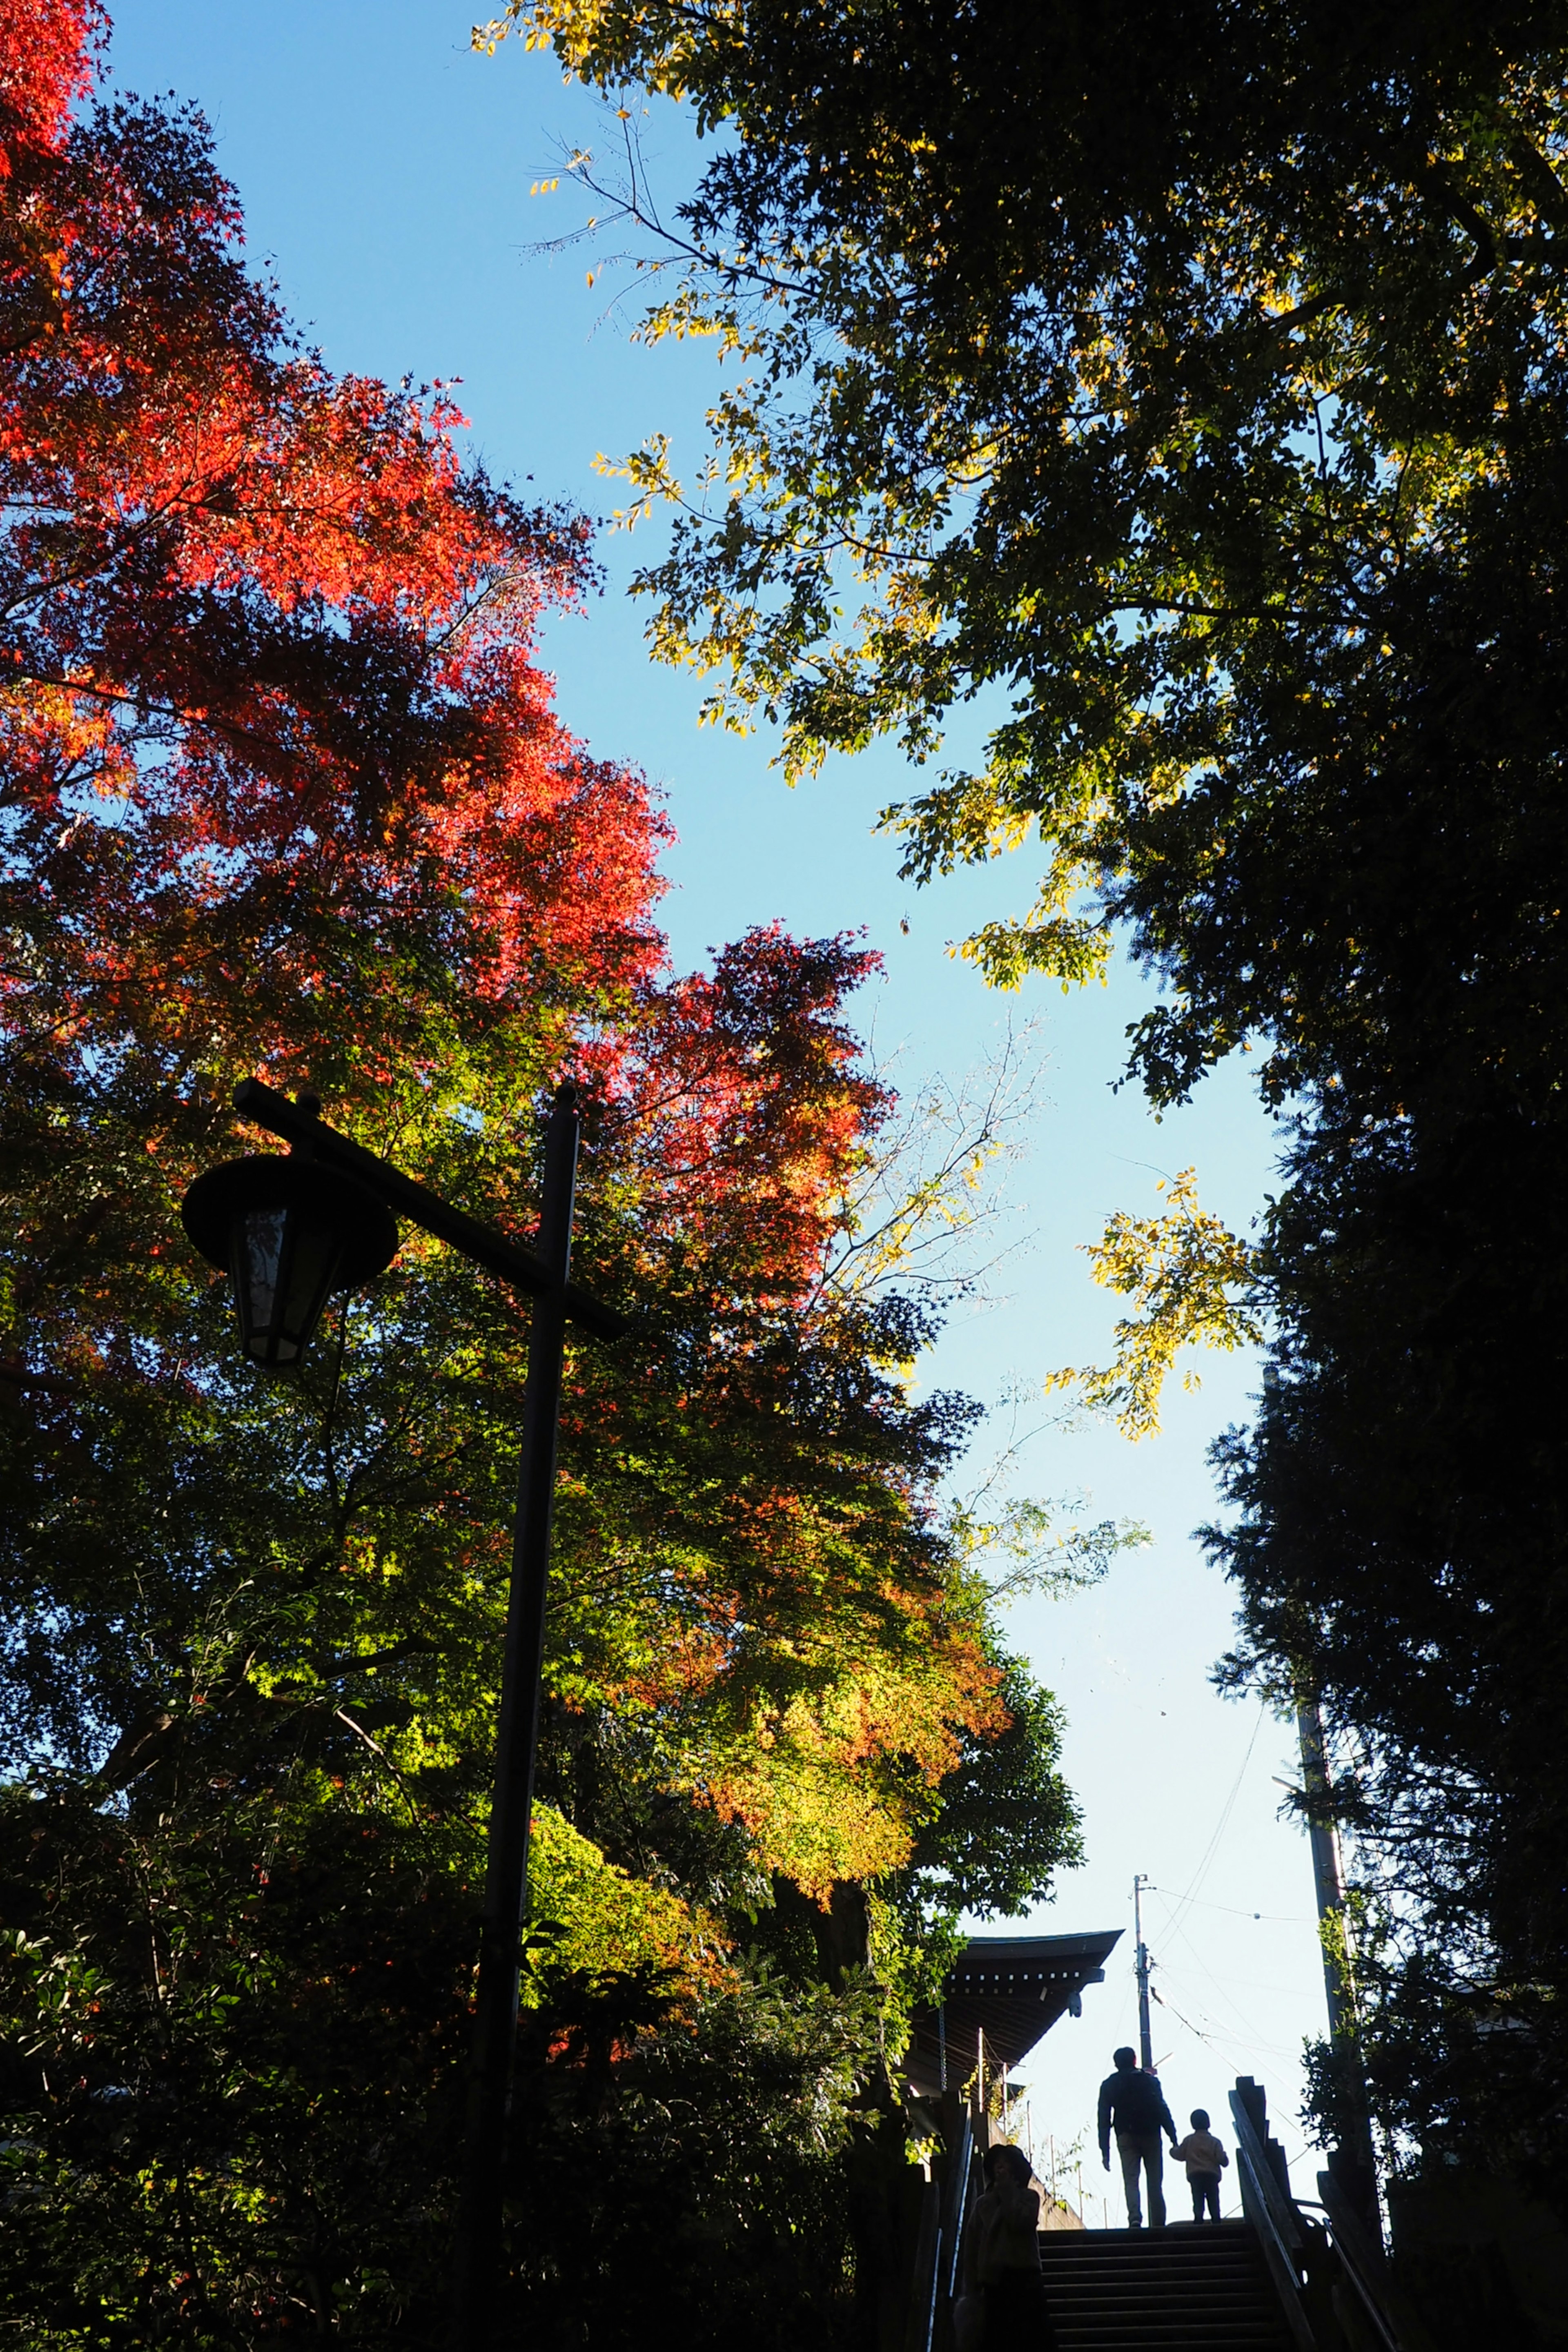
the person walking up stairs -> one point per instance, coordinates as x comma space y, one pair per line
1206, 2159
1133, 2101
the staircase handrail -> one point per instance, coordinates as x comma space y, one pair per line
1365, 2267
1275, 2218
948, 2245
921, 2327
1280, 2207
958, 2201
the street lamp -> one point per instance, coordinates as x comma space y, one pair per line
289, 1230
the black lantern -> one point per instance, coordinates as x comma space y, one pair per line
287, 1231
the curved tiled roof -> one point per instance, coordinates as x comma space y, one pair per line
1012, 1989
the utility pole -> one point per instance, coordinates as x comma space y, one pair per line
1145, 2040
1353, 2162
1328, 1876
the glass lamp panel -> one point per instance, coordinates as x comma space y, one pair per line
310, 1272
284, 1261
260, 1239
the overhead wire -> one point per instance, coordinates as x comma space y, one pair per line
1224, 1992
1216, 2037
1206, 1862
1297, 2149
1279, 1918
1226, 1986
1254, 2046
1225, 2043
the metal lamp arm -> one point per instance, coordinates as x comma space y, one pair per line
479, 1242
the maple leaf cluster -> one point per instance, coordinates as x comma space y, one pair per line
46, 64
267, 709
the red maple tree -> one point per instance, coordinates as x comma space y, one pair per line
268, 707
285, 789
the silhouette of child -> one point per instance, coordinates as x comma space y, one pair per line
1205, 2159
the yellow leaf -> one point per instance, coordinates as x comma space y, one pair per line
1193, 1281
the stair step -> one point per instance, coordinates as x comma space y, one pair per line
1152, 2275
1136, 2261
1153, 2282
1221, 2236
1248, 2322
1246, 2290
1161, 2290
1151, 2266
1251, 2339
1070, 2332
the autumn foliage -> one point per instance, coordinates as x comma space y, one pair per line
45, 65
285, 791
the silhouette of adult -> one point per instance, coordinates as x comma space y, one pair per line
1133, 2104
1002, 2257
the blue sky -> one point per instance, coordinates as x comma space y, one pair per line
385, 172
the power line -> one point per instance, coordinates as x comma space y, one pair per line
1280, 1918
1298, 2150
1225, 1994
1253, 2046
1223, 1824
1207, 2039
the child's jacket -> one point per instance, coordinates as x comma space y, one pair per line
1201, 2152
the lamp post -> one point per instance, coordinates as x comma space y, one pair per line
289, 1230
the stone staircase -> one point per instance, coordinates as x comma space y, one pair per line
1136, 2290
